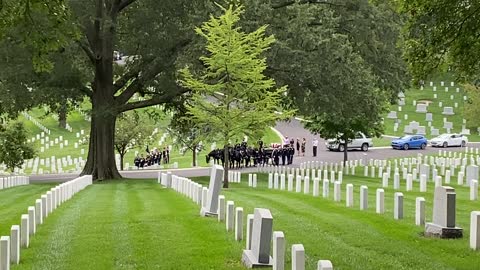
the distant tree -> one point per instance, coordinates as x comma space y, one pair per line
359, 105
188, 134
14, 148
231, 96
131, 131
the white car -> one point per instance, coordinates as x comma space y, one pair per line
447, 140
360, 142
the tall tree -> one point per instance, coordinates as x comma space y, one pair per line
153, 35
231, 95
359, 104
341, 60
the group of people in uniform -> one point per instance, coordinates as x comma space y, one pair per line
283, 154
154, 157
243, 155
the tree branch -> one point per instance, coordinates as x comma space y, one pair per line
323, 2
88, 51
125, 3
154, 68
122, 81
156, 100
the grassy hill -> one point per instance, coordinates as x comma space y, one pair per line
73, 157
444, 95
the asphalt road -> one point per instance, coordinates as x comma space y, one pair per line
291, 129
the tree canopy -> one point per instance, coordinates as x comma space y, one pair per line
14, 148
231, 95
443, 35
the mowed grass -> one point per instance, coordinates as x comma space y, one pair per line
428, 95
132, 224
15, 201
354, 239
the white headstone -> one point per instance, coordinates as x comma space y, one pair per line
398, 206
421, 108
420, 211
475, 230
444, 212
278, 251
259, 254
216, 177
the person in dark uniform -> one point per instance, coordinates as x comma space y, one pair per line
284, 155
260, 144
136, 161
291, 155
298, 146
276, 156
304, 144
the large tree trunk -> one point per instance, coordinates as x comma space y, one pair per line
101, 154
225, 166
121, 161
345, 152
88, 168
194, 157
62, 116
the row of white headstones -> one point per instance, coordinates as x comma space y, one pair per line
13, 181
259, 226
46, 142
10, 246
36, 122
443, 207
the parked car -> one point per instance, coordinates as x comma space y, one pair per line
410, 141
360, 142
447, 140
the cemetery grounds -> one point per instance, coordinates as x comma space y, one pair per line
138, 224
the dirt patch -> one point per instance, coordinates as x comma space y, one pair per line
424, 101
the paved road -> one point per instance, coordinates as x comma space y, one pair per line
293, 129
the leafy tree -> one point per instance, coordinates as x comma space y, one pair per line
14, 148
306, 30
22, 87
231, 95
341, 60
131, 130
360, 105
41, 26
443, 35
153, 35
188, 134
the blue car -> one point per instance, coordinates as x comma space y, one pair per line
410, 141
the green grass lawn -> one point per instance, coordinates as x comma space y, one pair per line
382, 141
354, 239
136, 224
130, 225
434, 108
15, 201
